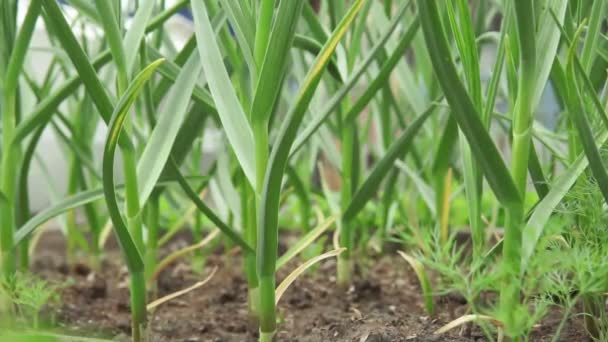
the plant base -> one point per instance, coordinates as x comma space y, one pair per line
139, 332
344, 271
254, 306
267, 336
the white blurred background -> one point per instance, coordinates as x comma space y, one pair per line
49, 170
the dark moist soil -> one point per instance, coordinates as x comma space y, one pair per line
383, 305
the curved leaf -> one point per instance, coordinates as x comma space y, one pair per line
133, 256
423, 279
153, 305
305, 241
301, 269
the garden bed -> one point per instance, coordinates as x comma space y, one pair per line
385, 303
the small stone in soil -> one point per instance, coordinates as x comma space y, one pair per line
123, 306
226, 297
97, 290
367, 290
81, 269
376, 337
237, 328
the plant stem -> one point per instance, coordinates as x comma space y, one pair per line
23, 212
94, 226
132, 197
260, 135
445, 208
198, 260
9, 118
134, 223
522, 123
152, 223
267, 246
7, 188
346, 237
138, 305
268, 319
72, 228
349, 149
250, 225
592, 307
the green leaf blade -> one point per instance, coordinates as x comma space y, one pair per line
160, 142
232, 116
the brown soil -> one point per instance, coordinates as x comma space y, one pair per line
384, 305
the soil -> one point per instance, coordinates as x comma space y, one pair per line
383, 305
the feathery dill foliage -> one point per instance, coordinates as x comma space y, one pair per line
470, 132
